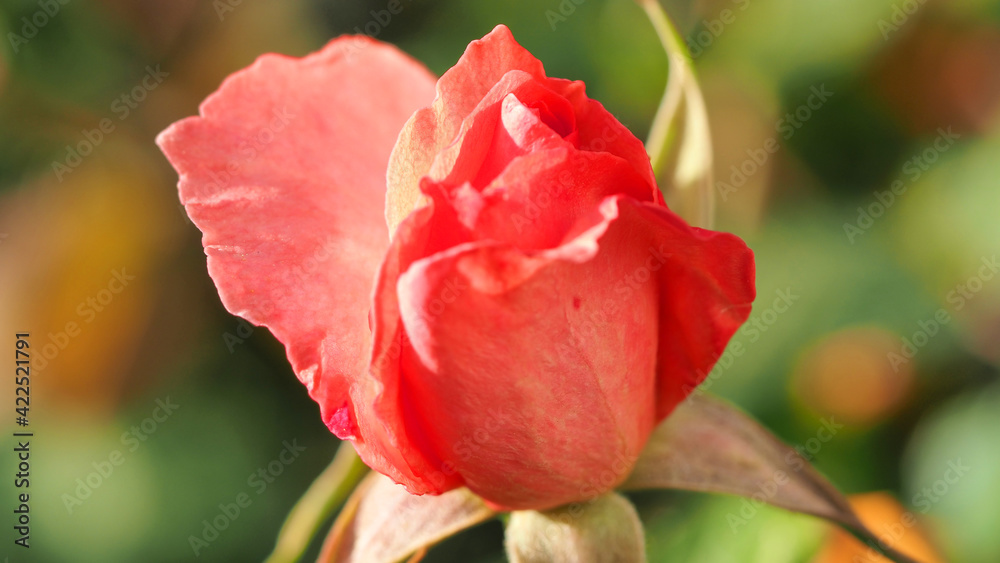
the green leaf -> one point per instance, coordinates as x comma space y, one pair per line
688, 187
383, 523
710, 446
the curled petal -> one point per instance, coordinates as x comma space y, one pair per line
459, 91
599, 131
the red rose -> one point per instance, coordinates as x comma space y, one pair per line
533, 308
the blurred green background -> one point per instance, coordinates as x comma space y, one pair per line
879, 209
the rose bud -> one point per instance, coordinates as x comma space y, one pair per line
489, 292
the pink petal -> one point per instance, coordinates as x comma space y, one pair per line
395, 441
535, 378
599, 131
486, 142
284, 173
459, 91
544, 198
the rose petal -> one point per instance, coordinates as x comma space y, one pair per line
392, 438
543, 198
599, 131
486, 142
524, 422
704, 300
284, 173
459, 91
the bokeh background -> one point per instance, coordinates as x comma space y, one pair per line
847, 332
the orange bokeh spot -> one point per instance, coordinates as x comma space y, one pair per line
894, 525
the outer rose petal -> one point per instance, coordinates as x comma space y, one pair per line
533, 375
284, 173
459, 90
394, 435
